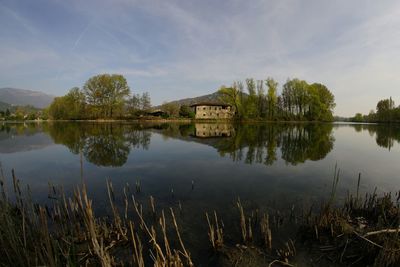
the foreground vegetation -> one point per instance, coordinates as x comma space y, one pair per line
364, 231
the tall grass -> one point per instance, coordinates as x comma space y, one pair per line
363, 231
68, 233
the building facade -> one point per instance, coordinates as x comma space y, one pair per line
213, 111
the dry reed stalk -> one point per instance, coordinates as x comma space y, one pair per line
250, 230
138, 186
117, 218
215, 232
126, 201
266, 231
287, 252
151, 233
153, 206
242, 221
137, 247
85, 207
164, 231
3, 184
185, 252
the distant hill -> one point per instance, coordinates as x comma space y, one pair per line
210, 98
21, 97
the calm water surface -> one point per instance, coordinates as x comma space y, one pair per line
204, 166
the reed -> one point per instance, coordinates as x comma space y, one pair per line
138, 186
215, 232
363, 231
266, 231
68, 233
243, 226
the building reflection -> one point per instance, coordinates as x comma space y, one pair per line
207, 130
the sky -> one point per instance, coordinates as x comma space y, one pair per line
178, 49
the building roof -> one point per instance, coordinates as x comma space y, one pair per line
210, 104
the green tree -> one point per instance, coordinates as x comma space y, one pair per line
57, 109
134, 105
69, 107
75, 101
232, 96
172, 109
145, 101
358, 118
106, 94
322, 102
250, 103
385, 110
272, 98
139, 104
186, 112
261, 99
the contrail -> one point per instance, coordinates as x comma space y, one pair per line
80, 36
75, 45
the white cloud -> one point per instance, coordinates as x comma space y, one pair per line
186, 48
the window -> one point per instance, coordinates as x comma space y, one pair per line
204, 108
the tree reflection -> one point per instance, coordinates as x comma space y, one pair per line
259, 143
109, 144
308, 142
385, 134
103, 144
297, 143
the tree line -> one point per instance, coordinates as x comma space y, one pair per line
104, 96
386, 111
299, 100
108, 96
20, 113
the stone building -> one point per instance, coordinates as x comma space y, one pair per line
213, 111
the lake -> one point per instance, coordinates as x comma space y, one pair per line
202, 167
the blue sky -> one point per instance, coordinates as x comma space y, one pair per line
178, 49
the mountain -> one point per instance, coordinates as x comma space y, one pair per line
21, 97
210, 98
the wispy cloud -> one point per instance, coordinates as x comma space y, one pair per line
185, 48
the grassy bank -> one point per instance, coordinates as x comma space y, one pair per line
363, 231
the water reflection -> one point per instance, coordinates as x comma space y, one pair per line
109, 144
204, 130
103, 144
385, 135
21, 137
260, 143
